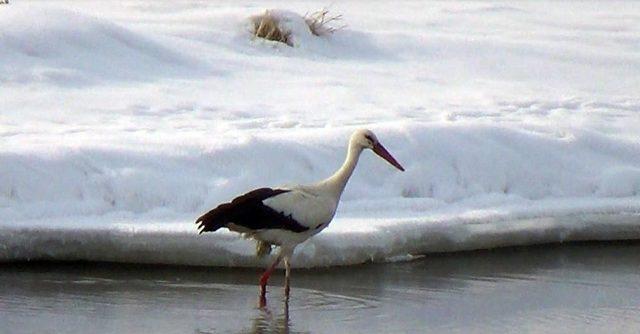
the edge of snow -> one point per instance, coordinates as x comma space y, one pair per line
381, 240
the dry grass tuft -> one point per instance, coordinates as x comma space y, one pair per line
321, 23
268, 27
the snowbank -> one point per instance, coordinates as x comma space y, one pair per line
122, 122
51, 45
347, 242
446, 164
466, 187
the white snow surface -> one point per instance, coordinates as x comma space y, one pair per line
121, 122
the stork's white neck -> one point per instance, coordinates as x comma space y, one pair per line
335, 183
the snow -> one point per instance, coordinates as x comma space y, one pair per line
120, 123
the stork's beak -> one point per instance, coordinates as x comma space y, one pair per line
384, 154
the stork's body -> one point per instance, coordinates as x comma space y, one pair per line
287, 216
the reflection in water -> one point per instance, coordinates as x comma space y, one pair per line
267, 322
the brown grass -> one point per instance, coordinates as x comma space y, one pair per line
268, 27
320, 23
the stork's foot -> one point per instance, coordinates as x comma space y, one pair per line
262, 300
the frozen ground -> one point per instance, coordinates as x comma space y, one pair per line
120, 122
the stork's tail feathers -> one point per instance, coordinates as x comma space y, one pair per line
214, 219
242, 210
263, 248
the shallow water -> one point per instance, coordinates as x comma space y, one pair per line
585, 287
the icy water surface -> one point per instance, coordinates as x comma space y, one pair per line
575, 288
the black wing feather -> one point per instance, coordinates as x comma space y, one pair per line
249, 211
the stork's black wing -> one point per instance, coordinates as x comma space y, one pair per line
250, 212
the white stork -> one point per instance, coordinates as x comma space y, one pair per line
288, 216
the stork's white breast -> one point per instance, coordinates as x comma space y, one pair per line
308, 209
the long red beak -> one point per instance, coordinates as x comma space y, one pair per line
384, 154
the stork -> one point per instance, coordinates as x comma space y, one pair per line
287, 216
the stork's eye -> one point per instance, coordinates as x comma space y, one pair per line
370, 139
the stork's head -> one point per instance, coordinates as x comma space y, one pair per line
367, 139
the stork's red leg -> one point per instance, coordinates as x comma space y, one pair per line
265, 278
